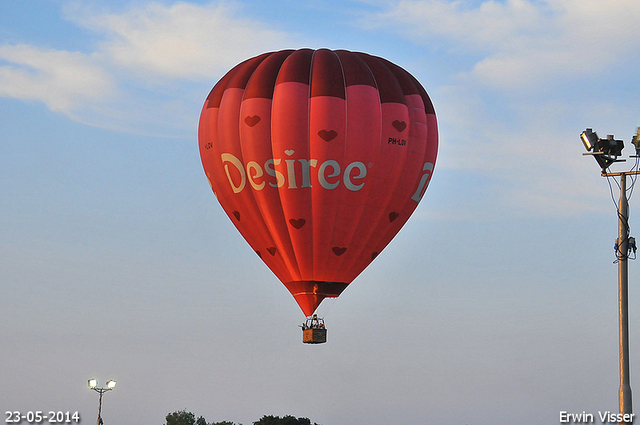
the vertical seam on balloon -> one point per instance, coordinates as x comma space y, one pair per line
290, 258
355, 255
404, 157
251, 198
372, 239
323, 266
273, 154
408, 200
293, 260
308, 134
269, 233
421, 92
314, 220
340, 260
375, 166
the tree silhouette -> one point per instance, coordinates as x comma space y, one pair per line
285, 420
182, 417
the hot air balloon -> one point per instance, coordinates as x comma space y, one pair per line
318, 157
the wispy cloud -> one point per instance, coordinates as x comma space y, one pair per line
183, 40
519, 42
64, 81
490, 26
141, 76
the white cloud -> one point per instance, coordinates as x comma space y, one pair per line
489, 27
182, 40
131, 81
63, 80
524, 42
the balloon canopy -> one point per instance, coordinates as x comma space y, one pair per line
318, 157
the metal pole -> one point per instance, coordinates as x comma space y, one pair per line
100, 407
624, 395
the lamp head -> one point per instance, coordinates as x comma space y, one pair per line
93, 383
636, 141
612, 147
111, 384
589, 139
605, 151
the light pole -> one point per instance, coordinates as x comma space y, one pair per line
93, 384
606, 152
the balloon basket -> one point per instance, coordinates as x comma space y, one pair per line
314, 331
314, 336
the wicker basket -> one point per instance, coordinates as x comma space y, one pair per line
314, 336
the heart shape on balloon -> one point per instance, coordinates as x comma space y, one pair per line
399, 125
327, 136
297, 223
338, 250
252, 120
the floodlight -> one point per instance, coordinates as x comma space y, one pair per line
589, 139
605, 151
111, 384
636, 141
612, 147
93, 383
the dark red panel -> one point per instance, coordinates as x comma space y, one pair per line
215, 95
428, 105
296, 68
242, 75
326, 75
356, 71
388, 86
404, 78
263, 80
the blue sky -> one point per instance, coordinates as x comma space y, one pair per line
497, 302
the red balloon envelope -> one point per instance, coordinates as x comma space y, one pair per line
318, 157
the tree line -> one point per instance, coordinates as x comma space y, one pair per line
182, 417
